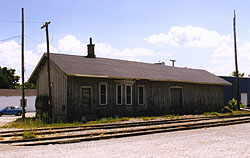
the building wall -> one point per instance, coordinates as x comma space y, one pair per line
15, 101
75, 109
196, 98
230, 91
59, 89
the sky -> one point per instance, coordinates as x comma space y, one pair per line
196, 33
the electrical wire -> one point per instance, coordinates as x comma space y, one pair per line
10, 38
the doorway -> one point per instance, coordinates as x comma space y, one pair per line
86, 97
176, 97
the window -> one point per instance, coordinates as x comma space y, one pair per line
141, 95
118, 94
128, 94
103, 94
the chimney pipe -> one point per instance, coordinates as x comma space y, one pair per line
173, 61
91, 49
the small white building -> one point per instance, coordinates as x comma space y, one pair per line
11, 97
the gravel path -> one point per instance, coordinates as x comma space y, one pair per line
229, 141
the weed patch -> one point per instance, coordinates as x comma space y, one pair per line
29, 135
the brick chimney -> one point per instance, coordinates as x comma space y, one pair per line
91, 49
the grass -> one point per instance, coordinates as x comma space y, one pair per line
29, 135
145, 118
212, 114
30, 123
36, 123
233, 113
109, 120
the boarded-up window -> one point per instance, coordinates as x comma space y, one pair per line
176, 97
119, 94
128, 94
103, 94
140, 95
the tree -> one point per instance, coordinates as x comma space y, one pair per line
8, 79
27, 85
240, 74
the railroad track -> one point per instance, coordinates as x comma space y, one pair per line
106, 131
43, 131
48, 130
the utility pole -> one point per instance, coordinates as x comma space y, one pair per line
22, 49
48, 67
236, 65
173, 61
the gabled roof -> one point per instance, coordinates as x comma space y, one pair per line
81, 66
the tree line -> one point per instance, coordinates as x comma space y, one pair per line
9, 80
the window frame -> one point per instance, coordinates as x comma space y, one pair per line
131, 91
138, 96
117, 94
106, 85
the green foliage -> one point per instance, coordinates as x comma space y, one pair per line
27, 85
31, 123
240, 74
8, 79
242, 106
212, 113
43, 117
232, 104
109, 120
42, 107
29, 135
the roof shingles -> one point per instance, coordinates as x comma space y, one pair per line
114, 68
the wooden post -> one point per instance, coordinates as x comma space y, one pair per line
236, 65
48, 67
22, 49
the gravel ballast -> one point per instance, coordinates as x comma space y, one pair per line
229, 141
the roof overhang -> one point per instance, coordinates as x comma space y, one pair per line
179, 81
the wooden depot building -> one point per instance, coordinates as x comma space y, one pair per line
88, 87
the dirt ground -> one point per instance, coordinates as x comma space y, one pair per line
9, 118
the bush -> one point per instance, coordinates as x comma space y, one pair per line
232, 104
44, 117
42, 108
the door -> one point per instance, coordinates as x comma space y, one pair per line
86, 97
176, 98
243, 98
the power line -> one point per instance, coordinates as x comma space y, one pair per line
32, 39
10, 38
10, 22
18, 22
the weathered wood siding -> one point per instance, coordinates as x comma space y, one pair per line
76, 110
59, 89
196, 98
